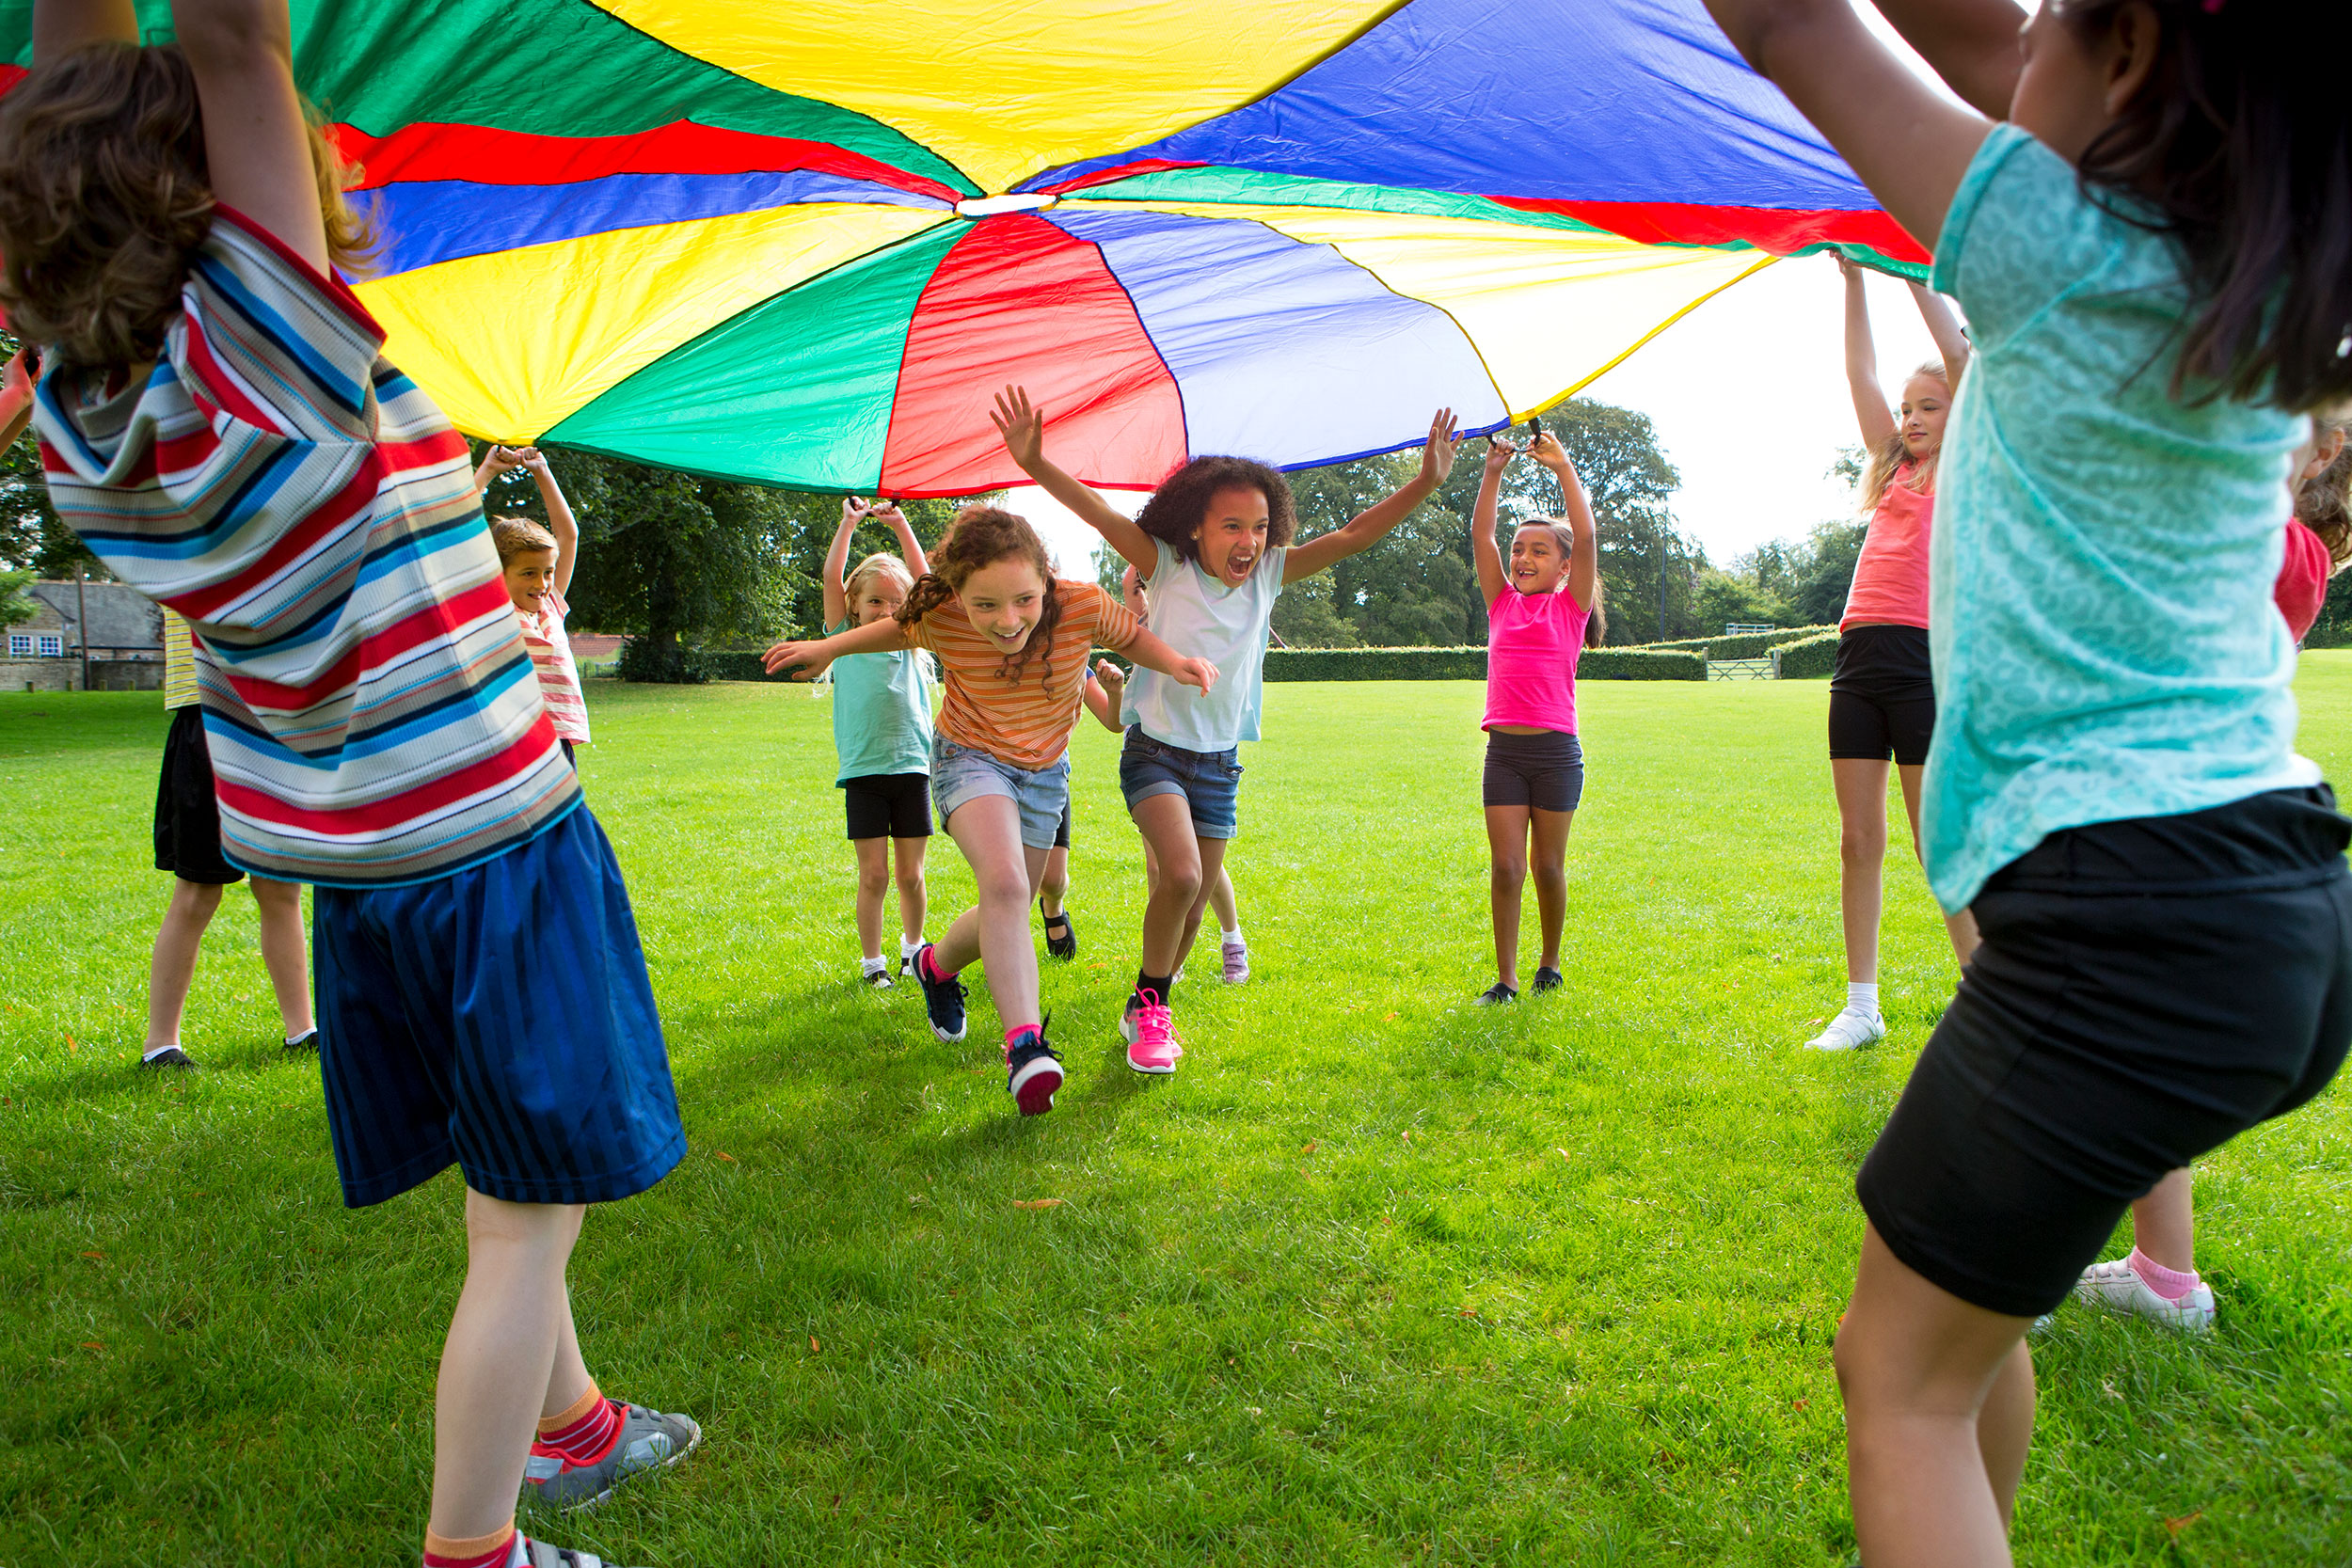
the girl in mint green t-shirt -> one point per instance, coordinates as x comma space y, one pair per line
882, 733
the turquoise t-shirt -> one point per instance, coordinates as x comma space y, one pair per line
1199, 615
881, 712
2101, 571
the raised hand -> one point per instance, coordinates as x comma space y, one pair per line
1114, 679
799, 657
502, 459
854, 508
1498, 453
1846, 267
16, 381
887, 513
1437, 453
1547, 449
534, 459
1021, 425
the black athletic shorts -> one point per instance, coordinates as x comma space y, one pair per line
187, 813
1062, 835
888, 805
1545, 771
2147, 990
1882, 696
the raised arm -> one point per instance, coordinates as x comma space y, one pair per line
910, 550
61, 27
1484, 553
1861, 363
837, 562
1908, 143
560, 519
1373, 524
497, 461
16, 396
1105, 687
1971, 43
811, 656
257, 149
1023, 427
1943, 327
1584, 562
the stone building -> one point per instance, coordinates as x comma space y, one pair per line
125, 640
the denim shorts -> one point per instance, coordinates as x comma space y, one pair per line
1210, 781
961, 773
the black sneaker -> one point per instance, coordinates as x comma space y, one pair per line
171, 1057
879, 978
1495, 995
306, 1042
1549, 979
941, 999
1032, 1071
1064, 945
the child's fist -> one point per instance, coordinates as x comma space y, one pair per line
1548, 451
1114, 679
1498, 453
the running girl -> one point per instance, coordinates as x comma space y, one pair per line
1881, 693
882, 733
1541, 611
1213, 544
537, 564
2159, 879
1012, 642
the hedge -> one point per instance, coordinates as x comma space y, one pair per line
1811, 659
1754, 644
1469, 664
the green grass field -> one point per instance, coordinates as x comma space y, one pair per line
1378, 1278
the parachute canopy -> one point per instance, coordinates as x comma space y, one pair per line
802, 245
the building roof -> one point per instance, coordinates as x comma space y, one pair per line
120, 615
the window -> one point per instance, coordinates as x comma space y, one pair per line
52, 644
20, 644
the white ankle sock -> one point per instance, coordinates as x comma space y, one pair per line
154, 1050
1232, 938
1862, 996
908, 949
874, 966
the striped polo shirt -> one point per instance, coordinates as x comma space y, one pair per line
551, 657
372, 715
1022, 717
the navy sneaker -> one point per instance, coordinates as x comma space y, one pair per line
1032, 1071
1494, 996
941, 999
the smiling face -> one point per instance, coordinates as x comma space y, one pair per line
1004, 600
1926, 401
529, 578
1232, 534
877, 600
1537, 562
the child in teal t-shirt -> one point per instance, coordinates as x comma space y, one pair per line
2147, 242
882, 732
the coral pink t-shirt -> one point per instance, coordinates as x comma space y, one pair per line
1532, 643
2302, 585
1890, 581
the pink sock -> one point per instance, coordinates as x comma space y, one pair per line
930, 966
1017, 1031
2166, 1282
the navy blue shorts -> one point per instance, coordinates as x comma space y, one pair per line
499, 1017
1210, 781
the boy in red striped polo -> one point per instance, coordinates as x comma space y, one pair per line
218, 423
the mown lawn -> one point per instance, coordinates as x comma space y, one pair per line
1378, 1278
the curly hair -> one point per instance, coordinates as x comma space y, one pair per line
105, 195
2323, 502
1181, 504
980, 537
515, 536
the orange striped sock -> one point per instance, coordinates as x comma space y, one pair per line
500, 1548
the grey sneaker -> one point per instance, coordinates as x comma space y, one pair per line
538, 1553
649, 1440
1236, 957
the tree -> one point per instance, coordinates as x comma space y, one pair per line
16, 606
32, 538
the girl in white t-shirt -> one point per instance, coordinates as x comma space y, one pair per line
1213, 547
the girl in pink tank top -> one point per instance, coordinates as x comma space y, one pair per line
1882, 696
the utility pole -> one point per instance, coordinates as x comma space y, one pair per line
81, 615
1661, 582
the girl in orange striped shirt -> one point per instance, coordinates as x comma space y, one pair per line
1012, 642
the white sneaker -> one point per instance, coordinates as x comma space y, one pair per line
1850, 1031
2118, 1287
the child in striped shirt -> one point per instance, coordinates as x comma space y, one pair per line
220, 425
536, 564
1012, 642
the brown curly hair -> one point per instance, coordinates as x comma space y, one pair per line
980, 536
2323, 502
1181, 504
105, 195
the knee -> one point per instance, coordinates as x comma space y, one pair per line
1551, 874
525, 1234
276, 898
1053, 882
1180, 881
1003, 890
1510, 870
195, 900
911, 881
872, 883
1860, 846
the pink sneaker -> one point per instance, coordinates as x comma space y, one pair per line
1155, 1049
1236, 962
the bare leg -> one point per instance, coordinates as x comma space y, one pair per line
1166, 823
1548, 860
284, 953
914, 898
873, 882
1212, 872
1053, 884
1962, 927
569, 1379
1939, 1412
996, 931
1222, 899
1861, 786
1506, 847
499, 1365
2164, 1224
173, 968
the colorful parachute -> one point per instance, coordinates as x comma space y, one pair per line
802, 245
